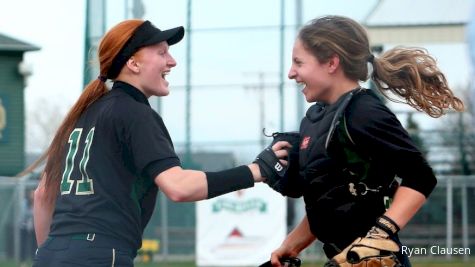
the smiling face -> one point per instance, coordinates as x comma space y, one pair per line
309, 72
154, 63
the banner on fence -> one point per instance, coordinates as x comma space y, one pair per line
240, 228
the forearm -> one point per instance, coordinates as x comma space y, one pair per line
300, 237
194, 186
182, 185
405, 205
42, 215
190, 185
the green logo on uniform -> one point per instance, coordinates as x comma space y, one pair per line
239, 206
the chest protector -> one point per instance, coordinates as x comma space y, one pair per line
343, 183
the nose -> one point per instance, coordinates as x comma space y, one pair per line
292, 73
171, 62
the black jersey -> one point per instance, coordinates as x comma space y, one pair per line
118, 146
335, 215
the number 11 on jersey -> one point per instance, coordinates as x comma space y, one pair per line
84, 186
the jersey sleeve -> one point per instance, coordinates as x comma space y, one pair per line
374, 128
150, 144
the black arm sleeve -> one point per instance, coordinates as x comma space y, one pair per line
229, 180
376, 129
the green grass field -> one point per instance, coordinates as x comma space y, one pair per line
415, 263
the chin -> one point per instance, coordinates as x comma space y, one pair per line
164, 92
310, 99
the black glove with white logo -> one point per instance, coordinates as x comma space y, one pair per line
270, 165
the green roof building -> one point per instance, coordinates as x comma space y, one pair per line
12, 111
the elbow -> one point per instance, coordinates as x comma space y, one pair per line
177, 198
39, 195
178, 195
41, 198
174, 191
179, 186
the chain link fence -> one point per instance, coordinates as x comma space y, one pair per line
445, 221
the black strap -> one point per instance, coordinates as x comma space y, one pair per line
338, 115
331, 250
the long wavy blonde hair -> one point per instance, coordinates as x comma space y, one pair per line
409, 72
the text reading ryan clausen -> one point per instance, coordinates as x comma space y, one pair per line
434, 250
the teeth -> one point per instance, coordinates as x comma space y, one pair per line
165, 73
301, 84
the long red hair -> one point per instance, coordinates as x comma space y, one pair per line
109, 47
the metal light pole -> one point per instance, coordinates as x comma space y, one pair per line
281, 75
299, 97
260, 87
95, 27
188, 85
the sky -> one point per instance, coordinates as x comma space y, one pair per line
219, 57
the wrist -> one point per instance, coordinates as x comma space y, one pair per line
256, 172
291, 250
388, 225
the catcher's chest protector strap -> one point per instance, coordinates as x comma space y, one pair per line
339, 114
339, 137
357, 165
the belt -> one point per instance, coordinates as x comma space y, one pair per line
88, 237
103, 240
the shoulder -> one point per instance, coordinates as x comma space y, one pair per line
366, 100
367, 115
367, 106
124, 109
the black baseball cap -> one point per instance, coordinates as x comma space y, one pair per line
146, 34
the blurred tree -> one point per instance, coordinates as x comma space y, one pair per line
414, 132
458, 133
42, 120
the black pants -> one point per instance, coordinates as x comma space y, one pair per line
83, 250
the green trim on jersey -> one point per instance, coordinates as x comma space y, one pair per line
84, 186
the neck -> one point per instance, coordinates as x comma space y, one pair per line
341, 88
132, 80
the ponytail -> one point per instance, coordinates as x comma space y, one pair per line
412, 74
109, 47
54, 154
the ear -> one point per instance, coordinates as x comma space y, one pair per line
133, 65
333, 63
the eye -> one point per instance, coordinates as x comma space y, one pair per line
162, 52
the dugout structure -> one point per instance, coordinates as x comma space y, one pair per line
12, 111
